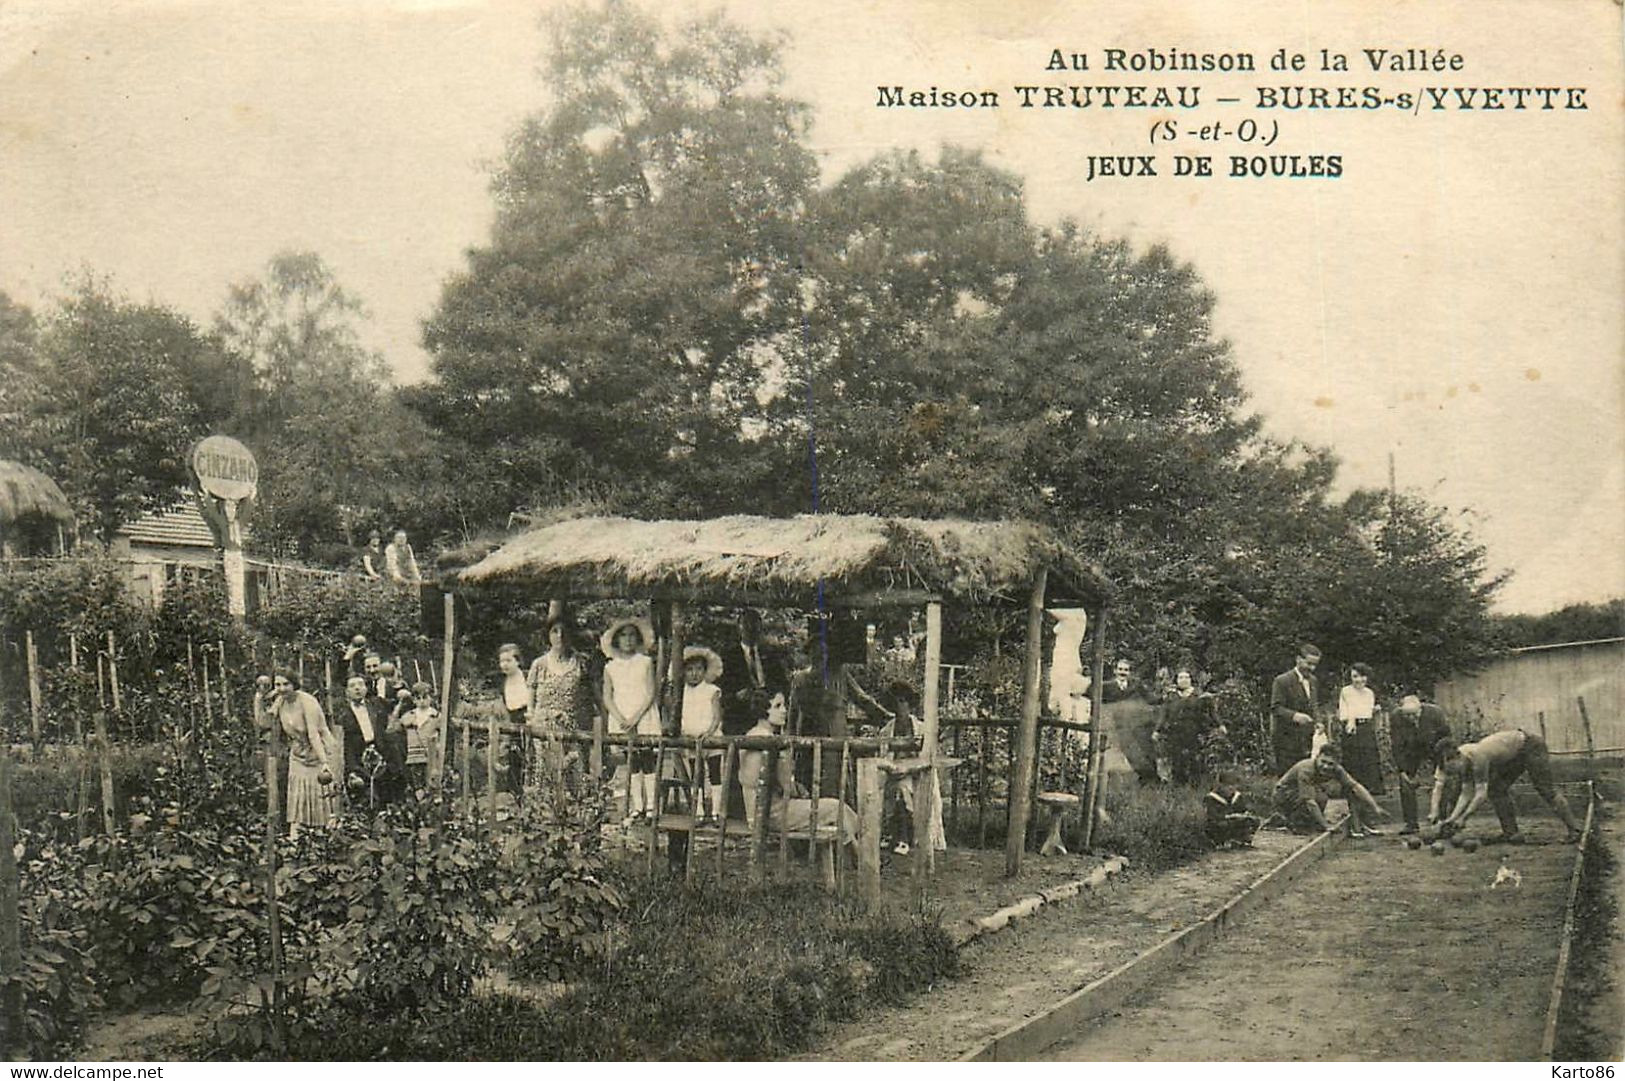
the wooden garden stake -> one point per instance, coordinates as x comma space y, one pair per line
225, 682
34, 707
273, 915
467, 760
105, 753
191, 686
492, 737
11, 928
208, 709
924, 810
840, 799
112, 674
758, 830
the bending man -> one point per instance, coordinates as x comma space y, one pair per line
1488, 768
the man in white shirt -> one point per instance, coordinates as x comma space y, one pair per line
1487, 769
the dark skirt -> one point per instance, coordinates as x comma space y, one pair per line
1361, 758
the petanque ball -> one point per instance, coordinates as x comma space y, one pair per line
1470, 845
1458, 840
1413, 843
1438, 848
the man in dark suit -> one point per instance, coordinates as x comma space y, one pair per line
1122, 684
379, 777
1292, 709
1415, 730
747, 667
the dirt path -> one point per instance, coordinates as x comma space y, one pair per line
1034, 962
1378, 953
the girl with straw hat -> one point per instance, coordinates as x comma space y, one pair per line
629, 703
702, 717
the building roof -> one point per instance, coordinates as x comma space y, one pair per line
795, 561
26, 492
179, 526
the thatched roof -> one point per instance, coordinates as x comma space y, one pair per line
26, 492
859, 558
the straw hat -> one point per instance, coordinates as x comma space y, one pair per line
606, 641
713, 663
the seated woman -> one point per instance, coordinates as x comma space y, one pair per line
790, 808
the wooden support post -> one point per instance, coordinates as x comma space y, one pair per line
654, 812
840, 809
327, 679
449, 655
105, 753
728, 757
1015, 838
674, 674
101, 682
696, 796
983, 774
784, 832
758, 830
953, 787
34, 707
191, 686
1585, 719
814, 804
11, 928
492, 739
870, 792
1095, 767
925, 859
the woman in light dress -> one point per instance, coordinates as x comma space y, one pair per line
312, 799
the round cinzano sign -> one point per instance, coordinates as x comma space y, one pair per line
225, 468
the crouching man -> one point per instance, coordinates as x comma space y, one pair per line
1488, 768
1302, 792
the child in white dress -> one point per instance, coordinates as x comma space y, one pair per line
702, 717
629, 703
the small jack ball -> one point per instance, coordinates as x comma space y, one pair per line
1413, 843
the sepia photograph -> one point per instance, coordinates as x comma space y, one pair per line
749, 531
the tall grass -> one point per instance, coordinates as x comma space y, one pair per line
1155, 826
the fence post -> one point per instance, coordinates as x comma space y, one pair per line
449, 610
191, 685
1585, 719
32, 659
11, 928
869, 812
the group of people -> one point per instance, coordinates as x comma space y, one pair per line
1315, 757
382, 740
395, 561
743, 688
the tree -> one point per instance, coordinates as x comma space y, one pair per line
607, 337
339, 451
1572, 623
107, 413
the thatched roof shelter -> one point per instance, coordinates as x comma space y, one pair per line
27, 493
855, 560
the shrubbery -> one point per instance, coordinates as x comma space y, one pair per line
697, 973
1155, 826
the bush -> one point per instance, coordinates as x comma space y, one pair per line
1155, 826
322, 612
700, 973
59, 992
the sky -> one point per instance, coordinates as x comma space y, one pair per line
1453, 299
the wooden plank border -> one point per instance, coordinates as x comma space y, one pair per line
1548, 1042
1028, 1037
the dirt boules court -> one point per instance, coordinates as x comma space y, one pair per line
1378, 953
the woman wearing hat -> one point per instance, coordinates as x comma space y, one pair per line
702, 717
629, 702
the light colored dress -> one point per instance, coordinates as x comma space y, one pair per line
310, 803
632, 681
